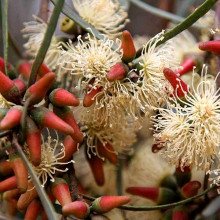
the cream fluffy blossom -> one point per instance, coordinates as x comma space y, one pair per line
189, 131
34, 31
106, 16
154, 88
215, 177
52, 152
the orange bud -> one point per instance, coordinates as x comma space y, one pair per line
180, 88
20, 85
90, 96
61, 192
96, 165
26, 198
44, 215
106, 203
24, 68
46, 118
8, 89
43, 70
11, 194
78, 209
186, 66
12, 207
33, 140
61, 98
128, 47
12, 118
20, 171
66, 114
117, 72
211, 46
190, 189
39, 89
108, 152
8, 184
33, 210
5, 168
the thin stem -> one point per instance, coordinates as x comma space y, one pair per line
119, 176
158, 207
191, 19
161, 13
5, 133
46, 42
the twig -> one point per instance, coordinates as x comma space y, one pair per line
5, 133
43, 13
158, 207
119, 176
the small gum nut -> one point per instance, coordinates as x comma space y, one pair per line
8, 89
20, 85
33, 210
33, 140
46, 118
179, 213
190, 189
11, 194
108, 152
78, 209
106, 203
90, 96
127, 45
12, 207
186, 66
170, 182
180, 88
39, 89
20, 172
2, 65
5, 168
117, 72
43, 70
67, 115
61, 98
211, 46
70, 147
96, 165
160, 195
61, 192
24, 68
8, 184
68, 26
12, 118
50, 195
26, 198
183, 175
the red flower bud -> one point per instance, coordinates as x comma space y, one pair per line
20, 171
61, 192
8, 89
24, 68
106, 203
11, 194
8, 184
61, 98
20, 85
12, 118
33, 140
43, 70
70, 147
90, 96
5, 168
180, 88
128, 47
66, 114
38, 90
78, 209
160, 195
190, 189
186, 66
46, 118
211, 46
117, 72
179, 213
3, 112
96, 165
33, 210
108, 152
12, 207
26, 198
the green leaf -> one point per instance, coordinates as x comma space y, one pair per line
75, 17
46, 42
40, 190
4, 8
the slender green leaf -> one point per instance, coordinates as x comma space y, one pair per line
75, 17
40, 190
46, 41
4, 8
